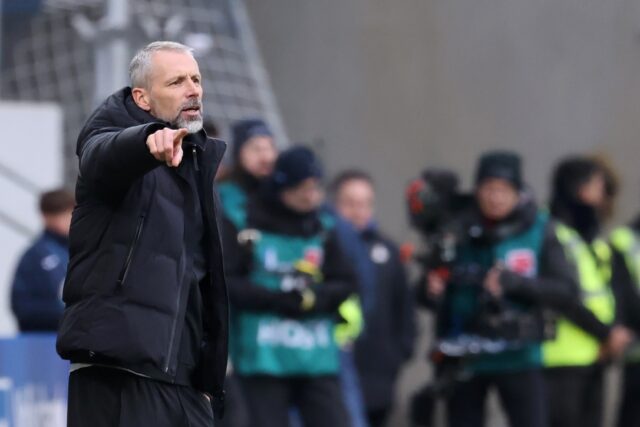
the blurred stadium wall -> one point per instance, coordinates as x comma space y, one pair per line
32, 134
397, 86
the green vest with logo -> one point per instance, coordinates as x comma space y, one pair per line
266, 343
626, 241
572, 346
519, 253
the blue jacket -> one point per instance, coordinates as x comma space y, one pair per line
387, 303
36, 291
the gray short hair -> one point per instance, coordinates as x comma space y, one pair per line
141, 62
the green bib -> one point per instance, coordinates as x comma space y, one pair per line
519, 253
270, 344
234, 203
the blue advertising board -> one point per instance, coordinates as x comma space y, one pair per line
33, 382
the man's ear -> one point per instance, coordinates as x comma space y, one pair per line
141, 98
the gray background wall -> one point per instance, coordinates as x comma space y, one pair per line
394, 86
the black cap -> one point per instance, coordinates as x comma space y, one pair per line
244, 130
293, 166
500, 164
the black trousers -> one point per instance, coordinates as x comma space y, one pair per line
575, 396
106, 397
378, 417
236, 413
629, 415
522, 395
318, 399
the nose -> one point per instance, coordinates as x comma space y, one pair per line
194, 90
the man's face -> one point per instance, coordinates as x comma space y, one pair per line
304, 197
355, 202
174, 92
59, 223
497, 198
258, 155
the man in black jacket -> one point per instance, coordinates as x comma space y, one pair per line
145, 323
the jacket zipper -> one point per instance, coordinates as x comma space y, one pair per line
125, 269
194, 153
173, 332
195, 158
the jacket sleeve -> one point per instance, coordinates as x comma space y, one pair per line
625, 291
556, 287
243, 294
340, 280
33, 303
112, 158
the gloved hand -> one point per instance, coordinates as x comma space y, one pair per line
289, 303
296, 303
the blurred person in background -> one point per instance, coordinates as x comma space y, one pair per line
145, 322
625, 242
387, 339
253, 155
505, 237
287, 277
36, 292
525, 267
575, 359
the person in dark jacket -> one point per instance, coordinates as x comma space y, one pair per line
145, 323
525, 270
387, 339
287, 277
625, 242
253, 156
37, 285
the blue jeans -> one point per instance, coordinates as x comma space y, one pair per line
350, 384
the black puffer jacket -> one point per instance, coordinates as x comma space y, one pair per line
131, 257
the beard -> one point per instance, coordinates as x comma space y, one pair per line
191, 124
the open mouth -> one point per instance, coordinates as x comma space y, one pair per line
191, 111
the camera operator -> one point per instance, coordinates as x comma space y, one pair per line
519, 267
503, 233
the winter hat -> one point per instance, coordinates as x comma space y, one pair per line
294, 166
244, 130
500, 164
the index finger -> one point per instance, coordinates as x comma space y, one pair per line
178, 135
